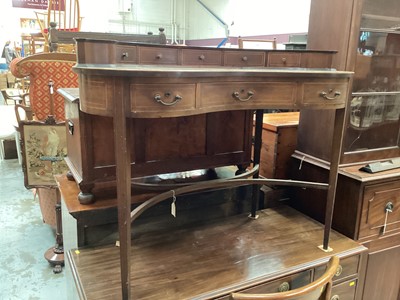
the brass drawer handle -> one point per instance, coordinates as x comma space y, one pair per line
339, 271
284, 60
326, 96
236, 95
159, 99
125, 55
284, 287
202, 57
158, 56
244, 58
335, 297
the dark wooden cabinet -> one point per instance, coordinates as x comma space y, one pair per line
279, 138
367, 209
364, 33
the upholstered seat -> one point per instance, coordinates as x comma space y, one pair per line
41, 68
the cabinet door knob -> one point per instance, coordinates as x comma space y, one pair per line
244, 58
202, 57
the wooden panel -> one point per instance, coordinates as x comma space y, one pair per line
383, 276
244, 58
376, 197
158, 55
201, 57
282, 59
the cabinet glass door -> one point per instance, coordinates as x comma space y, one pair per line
375, 105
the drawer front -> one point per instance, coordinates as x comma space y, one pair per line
149, 55
282, 60
247, 95
125, 54
201, 57
344, 291
348, 267
244, 58
377, 198
316, 60
324, 95
162, 97
282, 284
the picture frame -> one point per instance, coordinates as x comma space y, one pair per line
44, 147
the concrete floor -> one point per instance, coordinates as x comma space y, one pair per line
24, 238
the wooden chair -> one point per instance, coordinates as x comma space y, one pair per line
64, 13
266, 44
320, 289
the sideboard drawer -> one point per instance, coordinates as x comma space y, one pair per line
162, 97
160, 56
282, 284
344, 291
348, 267
201, 57
378, 198
282, 60
242, 95
324, 95
244, 58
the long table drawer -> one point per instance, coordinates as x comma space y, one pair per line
239, 95
162, 97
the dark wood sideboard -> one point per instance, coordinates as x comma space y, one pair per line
125, 81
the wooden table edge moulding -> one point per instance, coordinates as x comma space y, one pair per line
114, 89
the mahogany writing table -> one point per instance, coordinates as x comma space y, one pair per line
126, 80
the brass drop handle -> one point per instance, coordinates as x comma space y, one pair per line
159, 99
236, 95
202, 57
284, 287
335, 297
159, 56
284, 60
244, 58
125, 54
326, 96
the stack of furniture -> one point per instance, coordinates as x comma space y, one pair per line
367, 205
189, 94
63, 14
